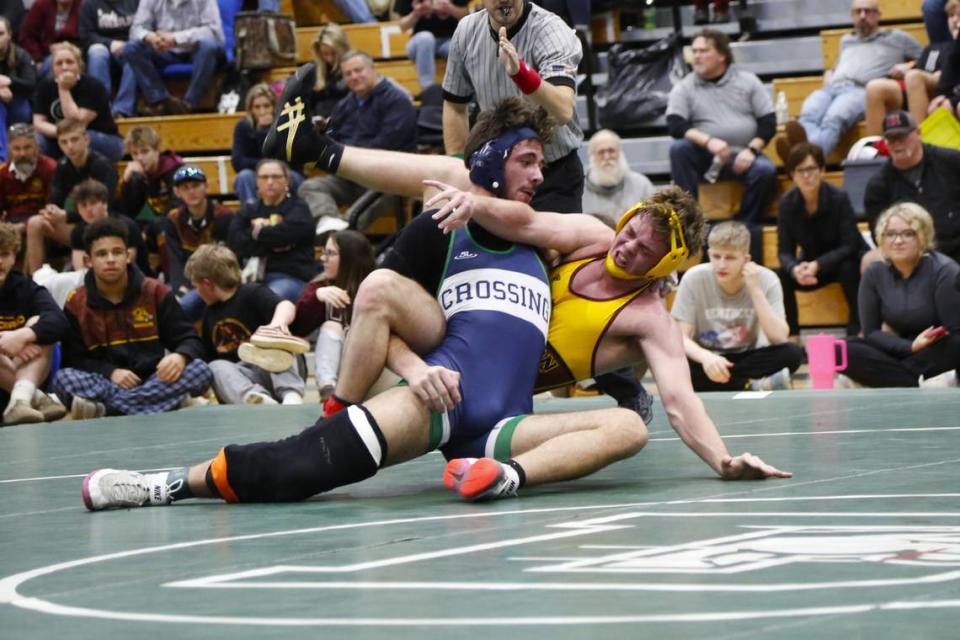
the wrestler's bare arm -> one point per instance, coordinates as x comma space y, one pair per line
400, 173
659, 337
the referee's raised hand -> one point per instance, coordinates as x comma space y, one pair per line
509, 57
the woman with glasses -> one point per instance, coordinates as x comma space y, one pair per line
327, 302
277, 230
817, 237
18, 77
909, 307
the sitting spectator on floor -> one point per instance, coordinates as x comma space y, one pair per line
274, 234
105, 30
121, 324
49, 22
377, 115
78, 163
433, 23
248, 137
92, 201
816, 218
25, 179
611, 187
327, 302
69, 93
147, 184
170, 31
909, 307
328, 47
731, 314
918, 86
865, 54
195, 220
30, 324
723, 115
916, 172
234, 312
18, 78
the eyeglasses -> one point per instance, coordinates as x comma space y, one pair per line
807, 171
906, 234
271, 176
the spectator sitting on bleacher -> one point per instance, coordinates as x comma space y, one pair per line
30, 324
377, 114
248, 137
328, 47
278, 231
865, 54
69, 93
433, 23
327, 302
147, 184
816, 218
919, 84
935, 21
611, 187
170, 31
723, 115
234, 312
195, 220
18, 78
25, 179
92, 202
916, 172
48, 22
105, 30
731, 314
948, 88
121, 324
909, 307
79, 163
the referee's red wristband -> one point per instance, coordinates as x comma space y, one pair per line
527, 79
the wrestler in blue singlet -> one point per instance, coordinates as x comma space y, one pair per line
497, 306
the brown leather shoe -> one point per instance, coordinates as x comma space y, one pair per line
151, 110
175, 106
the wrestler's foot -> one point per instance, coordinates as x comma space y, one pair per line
480, 479
293, 137
642, 404
119, 488
275, 338
272, 360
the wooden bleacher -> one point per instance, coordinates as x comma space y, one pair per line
189, 134
403, 72
721, 200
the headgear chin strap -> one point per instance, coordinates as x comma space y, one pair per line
668, 263
487, 163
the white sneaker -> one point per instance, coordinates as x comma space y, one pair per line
272, 360
329, 223
83, 409
292, 397
773, 382
256, 397
20, 412
946, 380
118, 488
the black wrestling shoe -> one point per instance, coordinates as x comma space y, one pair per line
293, 137
642, 404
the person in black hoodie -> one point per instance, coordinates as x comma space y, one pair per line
30, 323
18, 77
121, 323
278, 230
104, 29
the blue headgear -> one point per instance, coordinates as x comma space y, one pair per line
487, 163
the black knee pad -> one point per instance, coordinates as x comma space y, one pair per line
330, 454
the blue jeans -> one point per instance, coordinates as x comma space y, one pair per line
287, 287
17, 110
269, 5
110, 146
245, 184
147, 62
424, 48
688, 162
100, 65
356, 10
828, 112
935, 20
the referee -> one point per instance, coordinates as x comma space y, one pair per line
515, 48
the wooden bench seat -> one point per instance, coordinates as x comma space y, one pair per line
403, 71
194, 133
382, 40
721, 200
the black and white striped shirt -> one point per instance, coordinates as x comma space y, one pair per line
541, 38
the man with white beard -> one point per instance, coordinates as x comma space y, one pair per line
25, 179
611, 186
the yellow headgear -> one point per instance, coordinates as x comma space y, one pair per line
674, 257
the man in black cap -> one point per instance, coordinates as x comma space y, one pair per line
921, 173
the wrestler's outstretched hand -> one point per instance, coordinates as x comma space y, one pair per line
747, 466
438, 387
455, 212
